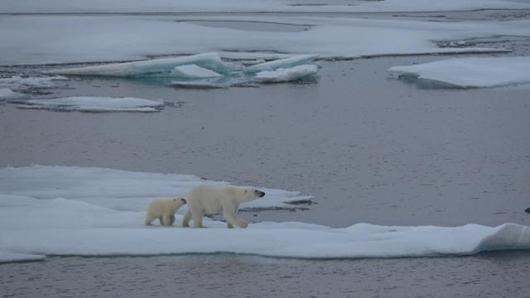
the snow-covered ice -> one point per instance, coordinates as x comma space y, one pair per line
94, 104
46, 211
8, 93
192, 71
287, 74
471, 72
92, 38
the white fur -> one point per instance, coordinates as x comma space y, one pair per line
164, 210
206, 200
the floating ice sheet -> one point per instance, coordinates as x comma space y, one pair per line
92, 207
471, 72
164, 67
94, 104
287, 74
92, 231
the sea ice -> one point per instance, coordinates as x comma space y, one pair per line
471, 72
92, 207
192, 71
35, 6
24, 83
94, 104
93, 38
282, 63
155, 67
287, 74
8, 93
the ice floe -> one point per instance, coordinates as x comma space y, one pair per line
192, 71
207, 71
164, 67
471, 72
94, 104
287, 74
47, 211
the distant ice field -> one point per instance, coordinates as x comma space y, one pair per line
90, 38
35, 6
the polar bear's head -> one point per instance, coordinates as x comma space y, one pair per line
250, 194
178, 202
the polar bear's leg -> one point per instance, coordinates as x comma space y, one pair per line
149, 219
197, 220
229, 225
232, 220
172, 220
167, 220
186, 219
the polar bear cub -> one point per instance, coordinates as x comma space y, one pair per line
164, 210
209, 199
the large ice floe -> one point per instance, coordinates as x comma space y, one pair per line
62, 211
206, 70
94, 104
471, 72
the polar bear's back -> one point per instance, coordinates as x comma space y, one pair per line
210, 198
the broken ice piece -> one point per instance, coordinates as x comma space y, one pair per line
287, 74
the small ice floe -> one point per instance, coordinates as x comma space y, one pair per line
24, 83
6, 93
163, 67
471, 72
94, 104
192, 71
281, 75
204, 71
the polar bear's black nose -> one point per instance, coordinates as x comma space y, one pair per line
260, 193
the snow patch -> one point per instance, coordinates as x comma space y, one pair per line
94, 104
287, 74
471, 72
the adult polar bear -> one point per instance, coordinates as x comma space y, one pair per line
209, 199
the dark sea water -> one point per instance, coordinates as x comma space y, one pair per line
369, 148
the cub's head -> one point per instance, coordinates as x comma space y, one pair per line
178, 202
250, 193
